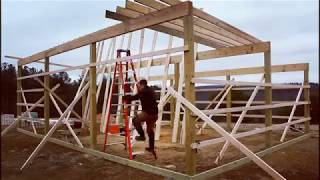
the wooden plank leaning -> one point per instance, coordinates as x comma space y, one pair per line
163, 88
292, 113
229, 137
60, 112
29, 114
29, 110
237, 125
55, 126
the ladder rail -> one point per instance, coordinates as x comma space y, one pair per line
122, 73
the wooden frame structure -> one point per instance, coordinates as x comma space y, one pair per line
179, 19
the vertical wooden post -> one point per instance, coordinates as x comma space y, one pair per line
306, 93
176, 84
229, 105
83, 108
172, 106
19, 100
189, 69
93, 104
46, 97
268, 95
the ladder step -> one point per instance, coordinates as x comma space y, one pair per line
137, 152
119, 114
119, 94
125, 71
125, 83
129, 110
126, 104
110, 144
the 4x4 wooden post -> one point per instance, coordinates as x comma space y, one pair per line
268, 94
93, 104
19, 100
189, 92
46, 97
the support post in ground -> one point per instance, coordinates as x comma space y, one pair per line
268, 95
46, 96
189, 68
93, 104
306, 93
229, 105
19, 99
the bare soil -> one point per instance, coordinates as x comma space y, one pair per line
299, 161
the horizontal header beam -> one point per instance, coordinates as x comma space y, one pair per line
245, 71
153, 18
40, 62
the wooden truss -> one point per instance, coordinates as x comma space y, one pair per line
178, 20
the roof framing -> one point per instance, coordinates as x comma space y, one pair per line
162, 16
153, 18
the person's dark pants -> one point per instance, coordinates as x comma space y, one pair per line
150, 121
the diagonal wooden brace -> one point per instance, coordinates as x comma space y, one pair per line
58, 98
29, 110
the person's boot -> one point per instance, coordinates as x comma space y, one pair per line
140, 138
152, 151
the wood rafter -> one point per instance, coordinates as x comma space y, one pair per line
164, 15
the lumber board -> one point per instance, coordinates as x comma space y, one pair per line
153, 18
229, 137
113, 158
243, 71
200, 26
46, 96
123, 14
238, 163
189, 69
252, 108
41, 62
214, 54
205, 16
306, 97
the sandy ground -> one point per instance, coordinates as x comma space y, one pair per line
299, 161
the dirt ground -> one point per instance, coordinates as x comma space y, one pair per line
299, 161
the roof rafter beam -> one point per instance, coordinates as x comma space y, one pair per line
199, 24
166, 27
205, 16
174, 12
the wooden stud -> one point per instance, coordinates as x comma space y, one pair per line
238, 123
93, 105
46, 97
162, 91
29, 114
225, 134
19, 87
268, 95
172, 105
189, 69
229, 105
306, 94
238, 163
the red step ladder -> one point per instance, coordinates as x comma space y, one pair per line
123, 77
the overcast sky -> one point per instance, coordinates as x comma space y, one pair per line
291, 27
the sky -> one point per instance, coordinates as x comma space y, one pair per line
291, 26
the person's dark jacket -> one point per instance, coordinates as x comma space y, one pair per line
148, 100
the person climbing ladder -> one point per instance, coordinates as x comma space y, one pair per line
149, 113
